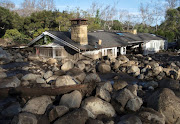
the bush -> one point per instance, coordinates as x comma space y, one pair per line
16, 36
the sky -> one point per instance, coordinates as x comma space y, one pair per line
131, 5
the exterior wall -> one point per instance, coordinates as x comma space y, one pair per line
154, 46
122, 50
79, 34
96, 54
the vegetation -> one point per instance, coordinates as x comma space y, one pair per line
33, 19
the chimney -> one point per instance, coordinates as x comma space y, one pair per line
79, 31
134, 31
100, 42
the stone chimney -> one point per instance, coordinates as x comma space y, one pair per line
79, 31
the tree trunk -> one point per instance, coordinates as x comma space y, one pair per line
25, 91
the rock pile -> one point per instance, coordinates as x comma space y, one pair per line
112, 101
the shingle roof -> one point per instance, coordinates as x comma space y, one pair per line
109, 39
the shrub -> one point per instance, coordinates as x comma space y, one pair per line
12, 33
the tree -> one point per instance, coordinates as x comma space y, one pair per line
7, 4
6, 18
171, 4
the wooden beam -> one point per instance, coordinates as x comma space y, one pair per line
25, 91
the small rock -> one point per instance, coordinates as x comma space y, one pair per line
37, 105
154, 84
55, 68
104, 68
67, 66
95, 106
25, 83
141, 76
71, 100
57, 111
134, 70
48, 74
51, 79
107, 86
78, 116
157, 70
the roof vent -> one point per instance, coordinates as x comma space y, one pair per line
121, 34
100, 42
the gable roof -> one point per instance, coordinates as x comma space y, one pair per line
109, 39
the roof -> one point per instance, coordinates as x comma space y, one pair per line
109, 39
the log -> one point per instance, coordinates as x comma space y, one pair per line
25, 91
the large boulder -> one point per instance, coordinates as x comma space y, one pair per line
37, 105
118, 85
157, 70
103, 94
25, 118
169, 83
77, 74
4, 54
80, 65
57, 111
167, 103
78, 116
130, 119
33, 57
150, 116
71, 100
9, 82
12, 110
95, 106
64, 81
134, 104
67, 66
134, 70
30, 76
120, 99
48, 74
123, 58
3, 75
104, 68
51, 61
92, 77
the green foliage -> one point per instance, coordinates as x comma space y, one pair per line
45, 40
16, 36
117, 25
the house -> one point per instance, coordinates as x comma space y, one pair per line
78, 42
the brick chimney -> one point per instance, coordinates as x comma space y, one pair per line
79, 31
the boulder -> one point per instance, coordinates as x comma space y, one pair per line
153, 84
77, 74
120, 99
37, 105
95, 106
150, 116
134, 104
80, 65
51, 79
25, 83
134, 70
30, 76
103, 94
78, 116
48, 74
3, 75
118, 85
67, 66
57, 111
12, 110
40, 80
4, 54
94, 121
157, 70
106, 85
71, 100
104, 68
25, 118
51, 61
129, 119
167, 103
92, 77
132, 88
10, 82
123, 58
169, 83
64, 81
33, 57
141, 76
